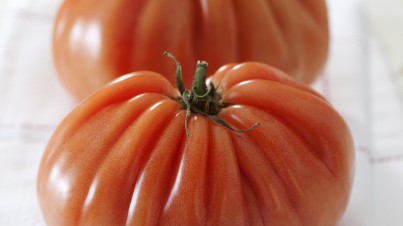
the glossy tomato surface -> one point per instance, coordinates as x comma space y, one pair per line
122, 157
97, 41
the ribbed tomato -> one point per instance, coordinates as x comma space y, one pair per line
261, 149
97, 41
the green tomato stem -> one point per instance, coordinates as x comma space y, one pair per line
199, 86
179, 79
201, 99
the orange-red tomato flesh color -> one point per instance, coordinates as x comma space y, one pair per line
123, 157
97, 41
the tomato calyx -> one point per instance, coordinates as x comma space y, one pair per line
201, 99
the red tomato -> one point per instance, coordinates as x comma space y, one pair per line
97, 41
122, 157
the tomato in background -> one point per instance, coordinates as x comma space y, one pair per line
123, 157
97, 41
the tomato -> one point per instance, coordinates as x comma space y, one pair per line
97, 41
254, 147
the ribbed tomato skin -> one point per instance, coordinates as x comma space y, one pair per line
97, 41
122, 156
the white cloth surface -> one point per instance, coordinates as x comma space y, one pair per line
386, 19
357, 80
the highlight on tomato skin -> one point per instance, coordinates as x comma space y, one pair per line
141, 152
96, 41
